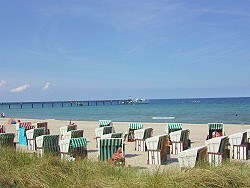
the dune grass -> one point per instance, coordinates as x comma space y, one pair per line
18, 169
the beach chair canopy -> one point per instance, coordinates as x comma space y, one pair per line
215, 126
103, 123
171, 127
107, 147
135, 126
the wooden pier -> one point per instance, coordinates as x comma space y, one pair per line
62, 103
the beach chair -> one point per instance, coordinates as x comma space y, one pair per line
140, 136
26, 125
172, 127
191, 157
180, 141
73, 134
217, 150
47, 144
132, 128
73, 148
103, 123
7, 139
2, 129
158, 151
31, 137
108, 146
67, 128
43, 124
215, 130
22, 140
112, 135
102, 131
238, 146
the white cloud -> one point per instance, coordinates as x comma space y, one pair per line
47, 86
20, 88
2, 83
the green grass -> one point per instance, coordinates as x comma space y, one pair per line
19, 169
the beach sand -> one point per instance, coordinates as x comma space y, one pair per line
198, 134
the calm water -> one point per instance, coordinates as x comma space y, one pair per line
225, 110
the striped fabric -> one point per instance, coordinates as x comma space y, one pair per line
39, 132
135, 126
26, 125
116, 135
78, 142
51, 143
107, 147
2, 129
7, 139
215, 126
174, 127
103, 123
76, 133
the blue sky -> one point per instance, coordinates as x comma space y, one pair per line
84, 50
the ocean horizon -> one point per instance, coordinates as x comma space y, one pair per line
234, 110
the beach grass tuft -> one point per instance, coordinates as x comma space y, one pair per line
20, 169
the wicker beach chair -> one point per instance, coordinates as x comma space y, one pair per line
172, 127
140, 136
112, 135
67, 128
103, 123
73, 149
26, 125
102, 131
132, 128
31, 137
180, 141
7, 139
217, 128
217, 150
238, 146
47, 144
2, 129
43, 124
158, 151
73, 134
191, 157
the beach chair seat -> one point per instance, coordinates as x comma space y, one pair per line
191, 157
31, 137
179, 141
217, 150
158, 151
73, 134
103, 123
26, 125
47, 144
112, 135
73, 148
7, 139
140, 136
2, 129
108, 146
238, 146
215, 130
67, 128
132, 128
172, 127
102, 131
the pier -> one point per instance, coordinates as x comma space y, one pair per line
62, 103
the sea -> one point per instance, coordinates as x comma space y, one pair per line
195, 111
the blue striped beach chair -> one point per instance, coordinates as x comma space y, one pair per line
108, 146
73, 134
7, 139
31, 137
215, 128
73, 149
172, 127
103, 123
140, 136
67, 128
132, 128
238, 146
217, 150
158, 151
47, 144
180, 141
191, 157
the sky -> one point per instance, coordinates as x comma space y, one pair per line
93, 50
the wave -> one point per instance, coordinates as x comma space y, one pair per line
163, 117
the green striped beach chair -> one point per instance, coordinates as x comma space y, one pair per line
180, 141
132, 128
102, 131
103, 123
47, 144
112, 135
140, 136
158, 151
67, 128
215, 127
217, 150
238, 146
191, 157
73, 149
171, 127
108, 146
31, 137
7, 139
73, 134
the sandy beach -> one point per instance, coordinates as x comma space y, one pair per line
198, 134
